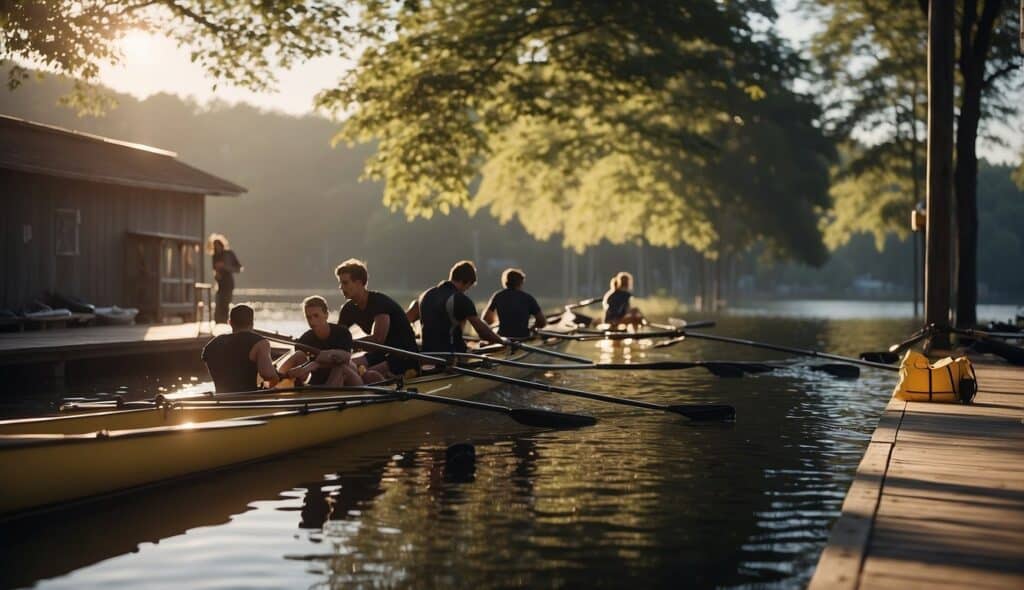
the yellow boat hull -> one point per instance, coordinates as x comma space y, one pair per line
52, 460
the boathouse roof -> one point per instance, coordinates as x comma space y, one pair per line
27, 146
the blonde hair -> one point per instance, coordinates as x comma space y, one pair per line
215, 237
314, 301
616, 281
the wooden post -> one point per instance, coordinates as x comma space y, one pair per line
940, 167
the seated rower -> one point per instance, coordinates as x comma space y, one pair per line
616, 303
512, 307
235, 359
333, 365
380, 317
443, 311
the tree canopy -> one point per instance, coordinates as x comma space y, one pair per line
597, 121
238, 43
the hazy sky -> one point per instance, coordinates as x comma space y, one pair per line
154, 64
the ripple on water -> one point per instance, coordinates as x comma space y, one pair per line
642, 498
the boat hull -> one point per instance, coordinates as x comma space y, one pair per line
48, 461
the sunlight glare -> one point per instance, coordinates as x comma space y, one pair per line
137, 47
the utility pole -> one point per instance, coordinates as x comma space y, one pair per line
937, 275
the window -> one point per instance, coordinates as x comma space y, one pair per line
66, 232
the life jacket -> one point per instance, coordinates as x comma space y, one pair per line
948, 380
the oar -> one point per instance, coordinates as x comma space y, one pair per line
551, 353
829, 368
681, 323
552, 317
837, 370
986, 343
693, 412
718, 368
892, 355
527, 416
592, 335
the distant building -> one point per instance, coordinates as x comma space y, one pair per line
109, 222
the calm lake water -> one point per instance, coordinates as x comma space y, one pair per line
641, 499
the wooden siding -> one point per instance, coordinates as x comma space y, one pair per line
107, 212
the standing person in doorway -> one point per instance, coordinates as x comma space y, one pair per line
225, 265
617, 310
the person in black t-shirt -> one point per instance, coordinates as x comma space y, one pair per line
444, 310
235, 359
512, 307
333, 365
380, 317
616, 303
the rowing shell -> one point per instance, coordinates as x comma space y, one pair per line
47, 461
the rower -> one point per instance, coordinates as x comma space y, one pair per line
443, 311
333, 365
380, 317
512, 307
235, 359
616, 303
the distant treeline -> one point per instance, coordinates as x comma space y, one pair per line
306, 210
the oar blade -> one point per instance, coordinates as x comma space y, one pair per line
550, 419
670, 342
839, 370
885, 357
704, 412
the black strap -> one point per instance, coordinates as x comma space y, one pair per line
929, 369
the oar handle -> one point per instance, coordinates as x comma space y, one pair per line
285, 339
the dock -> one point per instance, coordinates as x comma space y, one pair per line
938, 499
50, 351
97, 342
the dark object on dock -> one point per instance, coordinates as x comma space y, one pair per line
460, 463
1013, 354
75, 304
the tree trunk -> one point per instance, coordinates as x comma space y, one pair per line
965, 188
975, 41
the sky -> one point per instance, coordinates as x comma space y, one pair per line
154, 64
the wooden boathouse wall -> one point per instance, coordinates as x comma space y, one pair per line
106, 221
104, 214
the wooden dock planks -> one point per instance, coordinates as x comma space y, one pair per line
938, 500
97, 342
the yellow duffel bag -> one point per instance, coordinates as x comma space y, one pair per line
948, 380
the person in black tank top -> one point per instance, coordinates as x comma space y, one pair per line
381, 318
234, 360
333, 365
512, 307
444, 310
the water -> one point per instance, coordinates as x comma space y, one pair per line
642, 498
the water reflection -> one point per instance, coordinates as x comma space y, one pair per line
641, 498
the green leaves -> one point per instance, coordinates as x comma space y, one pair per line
593, 121
238, 43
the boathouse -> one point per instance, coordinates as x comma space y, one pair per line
105, 221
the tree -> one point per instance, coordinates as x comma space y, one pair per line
873, 57
232, 42
597, 121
